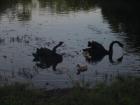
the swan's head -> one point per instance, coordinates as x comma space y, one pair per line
60, 43
120, 44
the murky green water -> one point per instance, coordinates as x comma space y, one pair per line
26, 25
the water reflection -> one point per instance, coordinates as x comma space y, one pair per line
21, 9
96, 52
65, 6
23, 39
123, 18
24, 10
69, 21
27, 73
2, 41
46, 58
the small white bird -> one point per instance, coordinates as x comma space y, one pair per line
87, 55
81, 68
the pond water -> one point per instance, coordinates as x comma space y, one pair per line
26, 25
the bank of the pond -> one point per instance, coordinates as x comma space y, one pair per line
120, 92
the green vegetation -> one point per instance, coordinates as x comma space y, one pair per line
120, 92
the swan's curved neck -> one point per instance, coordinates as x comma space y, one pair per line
111, 51
111, 46
55, 47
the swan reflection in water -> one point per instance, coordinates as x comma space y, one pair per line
46, 58
96, 52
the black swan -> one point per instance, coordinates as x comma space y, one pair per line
96, 52
46, 57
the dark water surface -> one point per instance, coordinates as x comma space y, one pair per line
26, 25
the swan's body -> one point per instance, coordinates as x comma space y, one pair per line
47, 57
96, 51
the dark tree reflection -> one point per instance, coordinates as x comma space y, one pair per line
123, 17
21, 9
60, 6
